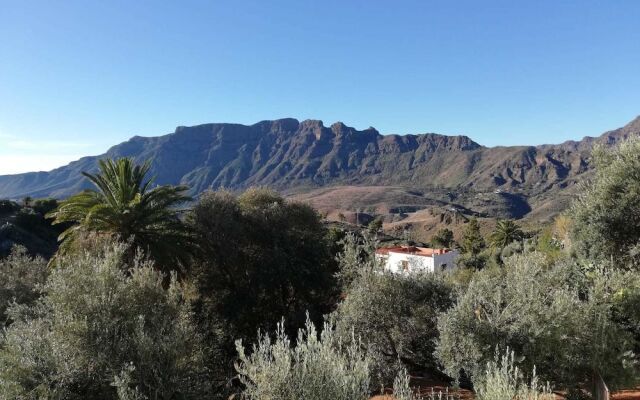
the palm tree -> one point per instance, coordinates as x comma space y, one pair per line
506, 232
125, 207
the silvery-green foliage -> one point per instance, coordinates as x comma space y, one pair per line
98, 317
394, 315
511, 249
605, 215
21, 278
503, 379
125, 386
559, 318
396, 318
403, 391
318, 367
357, 257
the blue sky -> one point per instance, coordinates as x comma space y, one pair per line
79, 76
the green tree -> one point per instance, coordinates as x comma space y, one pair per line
505, 232
560, 320
26, 201
375, 225
319, 366
473, 245
443, 238
104, 329
125, 206
20, 279
395, 317
606, 214
261, 259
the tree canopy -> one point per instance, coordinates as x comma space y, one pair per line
505, 232
606, 213
125, 205
262, 258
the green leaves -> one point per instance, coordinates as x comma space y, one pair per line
103, 323
559, 319
320, 366
125, 207
505, 232
606, 214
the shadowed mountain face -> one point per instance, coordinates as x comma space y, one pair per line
292, 156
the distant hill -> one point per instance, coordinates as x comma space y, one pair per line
296, 157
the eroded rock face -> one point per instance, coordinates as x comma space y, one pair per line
287, 154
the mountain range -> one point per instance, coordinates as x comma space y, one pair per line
302, 157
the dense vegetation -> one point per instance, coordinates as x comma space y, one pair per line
23, 223
252, 295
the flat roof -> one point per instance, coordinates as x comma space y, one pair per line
413, 250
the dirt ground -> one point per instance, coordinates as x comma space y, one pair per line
426, 388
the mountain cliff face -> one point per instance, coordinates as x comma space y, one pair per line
290, 155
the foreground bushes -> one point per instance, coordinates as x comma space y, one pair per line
559, 319
316, 368
503, 379
104, 330
20, 279
395, 316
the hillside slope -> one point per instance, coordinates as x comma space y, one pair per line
294, 156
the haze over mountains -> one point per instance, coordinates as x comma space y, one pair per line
300, 157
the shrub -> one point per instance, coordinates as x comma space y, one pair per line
99, 324
443, 238
395, 316
8, 207
605, 221
262, 259
21, 278
502, 379
561, 318
316, 368
403, 391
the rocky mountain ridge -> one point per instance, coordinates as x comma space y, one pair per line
293, 156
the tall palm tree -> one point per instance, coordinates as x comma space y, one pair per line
126, 207
506, 232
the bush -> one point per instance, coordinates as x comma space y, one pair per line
403, 391
261, 259
21, 279
561, 318
8, 207
317, 368
395, 316
102, 324
502, 379
606, 222
443, 238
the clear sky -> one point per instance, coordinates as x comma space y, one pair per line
79, 76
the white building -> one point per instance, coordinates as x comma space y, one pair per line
407, 259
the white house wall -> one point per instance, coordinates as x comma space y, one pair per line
416, 263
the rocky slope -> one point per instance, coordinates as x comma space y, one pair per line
295, 156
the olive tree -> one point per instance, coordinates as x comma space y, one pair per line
606, 214
262, 258
394, 315
104, 329
559, 319
21, 278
